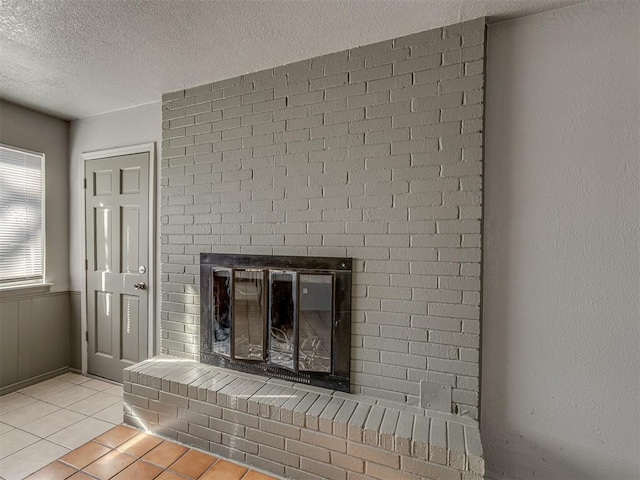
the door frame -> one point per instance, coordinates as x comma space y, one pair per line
154, 280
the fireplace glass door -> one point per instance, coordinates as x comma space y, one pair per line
248, 314
221, 312
316, 302
283, 332
300, 309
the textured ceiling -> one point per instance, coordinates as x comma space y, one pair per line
78, 58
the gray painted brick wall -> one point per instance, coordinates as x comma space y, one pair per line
374, 153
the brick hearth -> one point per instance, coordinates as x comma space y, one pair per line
296, 430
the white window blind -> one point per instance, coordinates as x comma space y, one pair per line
21, 216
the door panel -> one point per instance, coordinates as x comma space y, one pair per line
102, 181
130, 180
129, 335
103, 236
104, 326
129, 239
117, 216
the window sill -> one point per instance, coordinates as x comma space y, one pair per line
10, 291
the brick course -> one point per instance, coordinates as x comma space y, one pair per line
374, 153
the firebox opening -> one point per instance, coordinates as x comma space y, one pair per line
282, 316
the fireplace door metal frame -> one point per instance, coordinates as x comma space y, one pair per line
338, 268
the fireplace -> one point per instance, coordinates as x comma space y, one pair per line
280, 316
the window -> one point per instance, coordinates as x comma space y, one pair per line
21, 216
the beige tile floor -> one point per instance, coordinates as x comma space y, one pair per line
40, 423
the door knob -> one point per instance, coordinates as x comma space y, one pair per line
140, 286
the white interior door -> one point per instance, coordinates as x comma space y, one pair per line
118, 256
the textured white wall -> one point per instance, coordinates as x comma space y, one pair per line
561, 358
24, 128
